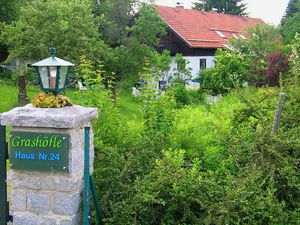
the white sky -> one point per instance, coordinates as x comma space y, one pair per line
271, 11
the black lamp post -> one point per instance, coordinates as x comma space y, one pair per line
53, 73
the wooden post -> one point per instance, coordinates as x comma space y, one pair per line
278, 112
22, 96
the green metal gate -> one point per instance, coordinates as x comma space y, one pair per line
4, 206
89, 185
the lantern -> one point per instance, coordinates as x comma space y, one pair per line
53, 73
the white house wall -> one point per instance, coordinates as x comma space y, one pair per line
194, 63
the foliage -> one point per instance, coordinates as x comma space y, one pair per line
254, 146
262, 48
69, 25
290, 9
277, 64
201, 164
8, 12
157, 109
295, 59
234, 7
235, 177
262, 40
44, 100
183, 96
217, 165
198, 165
163, 62
97, 95
113, 19
132, 30
258, 60
289, 26
148, 26
230, 71
128, 70
182, 72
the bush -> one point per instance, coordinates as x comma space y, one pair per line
277, 64
184, 97
43, 100
230, 71
216, 164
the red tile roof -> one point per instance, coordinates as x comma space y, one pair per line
198, 28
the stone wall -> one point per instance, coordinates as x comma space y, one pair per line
48, 198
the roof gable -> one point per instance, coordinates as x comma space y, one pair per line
204, 29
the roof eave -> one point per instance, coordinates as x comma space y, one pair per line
178, 34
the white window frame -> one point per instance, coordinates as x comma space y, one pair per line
221, 34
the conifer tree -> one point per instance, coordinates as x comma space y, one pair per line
290, 22
291, 9
233, 7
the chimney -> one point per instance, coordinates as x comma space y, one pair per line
179, 5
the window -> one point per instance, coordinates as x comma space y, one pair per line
242, 36
221, 34
235, 36
202, 64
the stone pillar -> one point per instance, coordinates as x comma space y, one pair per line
51, 198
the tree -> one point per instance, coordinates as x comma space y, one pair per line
264, 49
133, 35
291, 9
9, 9
182, 72
234, 7
68, 24
114, 16
290, 23
8, 13
295, 60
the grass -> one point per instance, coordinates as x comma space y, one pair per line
130, 107
9, 99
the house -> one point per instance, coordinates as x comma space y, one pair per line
197, 34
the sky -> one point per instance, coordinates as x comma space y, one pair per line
271, 11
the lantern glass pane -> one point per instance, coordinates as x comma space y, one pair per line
43, 71
63, 76
52, 76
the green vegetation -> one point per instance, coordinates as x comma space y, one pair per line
198, 163
174, 157
157, 163
75, 17
262, 60
233, 7
289, 23
9, 95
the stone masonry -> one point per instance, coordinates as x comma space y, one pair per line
48, 198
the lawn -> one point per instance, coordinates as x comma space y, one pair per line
9, 94
9, 99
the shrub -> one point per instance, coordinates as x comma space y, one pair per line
277, 64
43, 100
216, 164
230, 71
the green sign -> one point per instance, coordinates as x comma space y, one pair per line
39, 151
